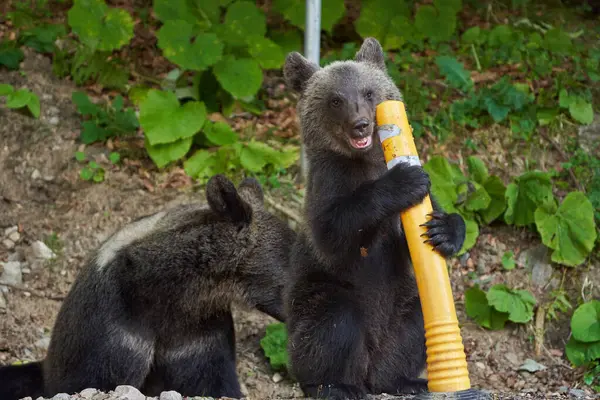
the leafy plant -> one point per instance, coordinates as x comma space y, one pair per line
508, 260
92, 171
104, 120
560, 303
500, 304
274, 344
20, 98
583, 347
524, 195
10, 55
579, 108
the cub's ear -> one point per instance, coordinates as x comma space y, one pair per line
251, 191
224, 200
371, 52
298, 70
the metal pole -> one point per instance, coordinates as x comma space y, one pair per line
312, 48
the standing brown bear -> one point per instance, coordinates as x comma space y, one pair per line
354, 316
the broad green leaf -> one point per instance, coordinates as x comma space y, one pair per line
10, 56
5, 89
243, 20
448, 6
181, 46
255, 156
477, 169
41, 38
569, 230
114, 157
444, 179
288, 40
477, 199
164, 120
86, 174
387, 21
219, 133
496, 190
477, 307
524, 195
497, 110
581, 111
24, 98
580, 353
558, 41
268, 54
435, 24
84, 104
508, 260
172, 10
242, 77
201, 164
100, 27
565, 99
501, 35
472, 233
471, 35
164, 153
80, 156
92, 133
455, 73
585, 323
517, 303
295, 12
274, 344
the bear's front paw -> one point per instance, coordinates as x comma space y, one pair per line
445, 232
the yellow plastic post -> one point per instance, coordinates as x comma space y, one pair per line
446, 360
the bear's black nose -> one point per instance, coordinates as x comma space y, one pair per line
361, 124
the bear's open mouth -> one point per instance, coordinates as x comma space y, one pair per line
361, 143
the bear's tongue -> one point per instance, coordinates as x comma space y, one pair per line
361, 143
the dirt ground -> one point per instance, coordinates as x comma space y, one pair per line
41, 193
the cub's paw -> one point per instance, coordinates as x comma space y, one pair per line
410, 184
334, 392
445, 232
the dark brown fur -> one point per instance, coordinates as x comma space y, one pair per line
354, 320
152, 308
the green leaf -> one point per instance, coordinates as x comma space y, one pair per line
524, 195
10, 56
517, 303
471, 35
92, 133
477, 199
565, 99
558, 41
580, 353
585, 323
41, 38
435, 24
172, 10
288, 40
294, 11
477, 307
448, 6
181, 46
496, 190
477, 169
508, 260
472, 233
581, 111
24, 98
268, 54
220, 133
164, 120
201, 164
455, 73
444, 179
255, 156
243, 20
86, 173
79, 156
569, 230
5, 89
100, 27
387, 21
163, 154
84, 104
500, 35
114, 157
274, 344
242, 77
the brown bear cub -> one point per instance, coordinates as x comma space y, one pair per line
353, 312
152, 307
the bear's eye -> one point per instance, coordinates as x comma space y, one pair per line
369, 95
336, 102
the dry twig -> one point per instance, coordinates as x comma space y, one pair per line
281, 208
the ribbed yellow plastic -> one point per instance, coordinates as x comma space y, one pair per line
446, 360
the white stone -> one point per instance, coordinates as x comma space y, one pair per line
61, 396
40, 250
2, 302
36, 174
12, 273
277, 377
53, 120
10, 230
15, 236
88, 393
43, 343
9, 244
127, 392
170, 395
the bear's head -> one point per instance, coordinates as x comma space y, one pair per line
337, 102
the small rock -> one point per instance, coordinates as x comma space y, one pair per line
127, 392
277, 377
10, 230
12, 273
53, 120
43, 343
36, 174
48, 178
53, 110
2, 302
26, 398
464, 258
531, 366
15, 236
25, 271
577, 393
480, 365
512, 357
9, 244
88, 393
170, 395
40, 250
541, 274
61, 396
589, 136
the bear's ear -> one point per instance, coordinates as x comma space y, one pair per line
251, 191
297, 71
371, 52
224, 200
